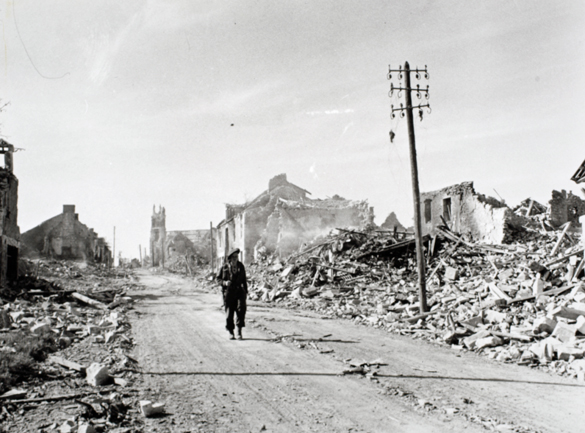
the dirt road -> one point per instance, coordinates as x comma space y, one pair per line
287, 375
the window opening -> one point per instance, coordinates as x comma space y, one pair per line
428, 215
447, 209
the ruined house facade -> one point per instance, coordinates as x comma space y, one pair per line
565, 208
475, 216
282, 218
65, 237
9, 230
165, 246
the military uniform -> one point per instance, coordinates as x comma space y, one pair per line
234, 294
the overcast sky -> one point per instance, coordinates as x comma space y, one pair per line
120, 105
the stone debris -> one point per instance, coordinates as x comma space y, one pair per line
148, 408
97, 374
13, 394
86, 428
90, 335
514, 302
68, 426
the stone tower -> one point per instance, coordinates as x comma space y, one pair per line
158, 234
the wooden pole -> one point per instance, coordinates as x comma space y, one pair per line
416, 194
140, 251
114, 248
211, 262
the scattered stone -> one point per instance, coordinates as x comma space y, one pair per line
488, 342
544, 324
39, 328
97, 374
13, 394
149, 409
564, 332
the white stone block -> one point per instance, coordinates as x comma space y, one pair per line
40, 327
580, 325
97, 374
149, 408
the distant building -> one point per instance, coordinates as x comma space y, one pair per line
65, 237
9, 230
282, 218
158, 233
167, 246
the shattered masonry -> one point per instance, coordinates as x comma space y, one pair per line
65, 237
565, 208
282, 218
9, 230
473, 215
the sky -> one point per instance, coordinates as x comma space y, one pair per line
119, 106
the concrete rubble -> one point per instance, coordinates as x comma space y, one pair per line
149, 409
522, 302
82, 311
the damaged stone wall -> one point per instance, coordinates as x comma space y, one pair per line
565, 207
9, 230
194, 243
475, 216
302, 224
281, 218
293, 223
171, 247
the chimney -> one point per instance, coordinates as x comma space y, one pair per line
68, 208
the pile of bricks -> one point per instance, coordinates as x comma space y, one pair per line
83, 310
522, 303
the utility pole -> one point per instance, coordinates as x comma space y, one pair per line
408, 89
211, 240
114, 248
140, 251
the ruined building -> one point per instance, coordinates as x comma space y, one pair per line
158, 233
565, 207
282, 218
9, 231
167, 246
65, 237
473, 215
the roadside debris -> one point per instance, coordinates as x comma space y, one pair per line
72, 319
522, 302
149, 409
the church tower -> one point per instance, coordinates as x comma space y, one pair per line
158, 235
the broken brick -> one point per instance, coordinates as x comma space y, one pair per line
564, 332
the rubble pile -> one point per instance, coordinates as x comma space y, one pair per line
522, 302
181, 264
85, 378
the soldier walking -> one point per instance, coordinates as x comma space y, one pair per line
234, 288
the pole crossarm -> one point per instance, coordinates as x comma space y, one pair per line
401, 71
403, 109
419, 92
